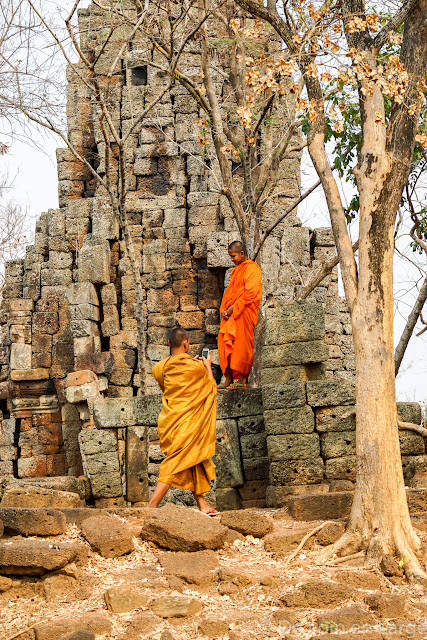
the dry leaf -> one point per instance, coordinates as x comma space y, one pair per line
422, 139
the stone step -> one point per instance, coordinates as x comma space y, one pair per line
337, 505
57, 483
32, 522
320, 506
37, 557
49, 522
61, 628
78, 515
38, 497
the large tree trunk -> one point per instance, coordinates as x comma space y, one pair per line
379, 520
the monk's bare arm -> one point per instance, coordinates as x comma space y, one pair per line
158, 373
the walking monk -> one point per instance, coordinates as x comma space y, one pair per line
239, 315
186, 422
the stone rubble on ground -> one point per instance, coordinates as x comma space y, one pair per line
108, 536
175, 606
197, 567
33, 522
79, 635
246, 522
37, 557
241, 590
96, 623
125, 598
180, 529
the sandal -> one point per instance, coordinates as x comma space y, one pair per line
221, 387
236, 385
212, 513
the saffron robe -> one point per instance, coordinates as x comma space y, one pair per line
236, 335
186, 423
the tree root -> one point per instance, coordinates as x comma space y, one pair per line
353, 544
349, 544
304, 540
411, 566
20, 633
352, 556
409, 426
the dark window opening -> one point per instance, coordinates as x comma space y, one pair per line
139, 76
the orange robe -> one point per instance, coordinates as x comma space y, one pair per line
236, 335
186, 423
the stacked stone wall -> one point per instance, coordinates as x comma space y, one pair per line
310, 420
340, 364
69, 306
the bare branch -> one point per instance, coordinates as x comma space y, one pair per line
412, 233
304, 540
47, 124
270, 166
143, 113
219, 140
395, 22
420, 333
282, 216
298, 147
263, 114
323, 271
15, 231
126, 44
83, 58
258, 10
59, 43
410, 326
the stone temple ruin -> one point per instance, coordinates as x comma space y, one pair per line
69, 401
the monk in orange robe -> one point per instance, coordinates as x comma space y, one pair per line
186, 423
239, 315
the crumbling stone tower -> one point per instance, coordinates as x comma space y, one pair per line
68, 329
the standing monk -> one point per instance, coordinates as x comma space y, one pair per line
186, 423
239, 315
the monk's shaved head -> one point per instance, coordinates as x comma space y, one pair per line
237, 247
177, 337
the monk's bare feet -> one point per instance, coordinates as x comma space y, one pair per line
228, 379
241, 383
202, 504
